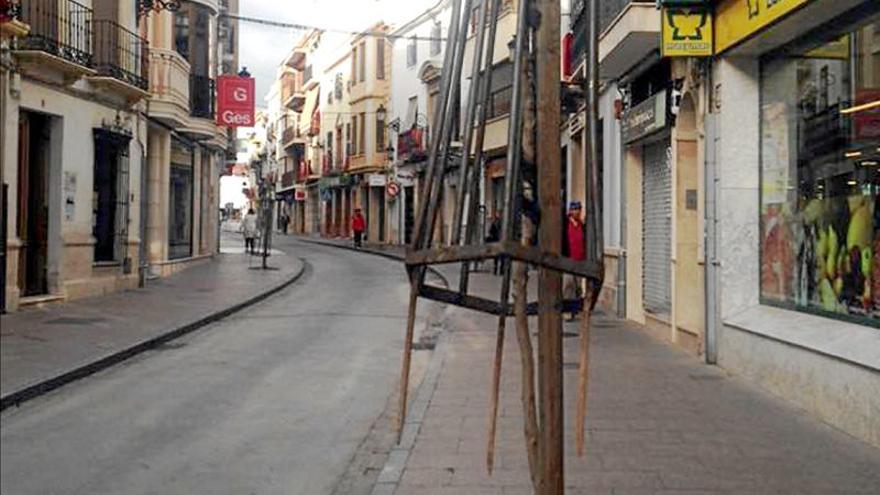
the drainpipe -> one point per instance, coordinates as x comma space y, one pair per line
143, 265
712, 265
621, 260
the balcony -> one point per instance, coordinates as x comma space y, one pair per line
287, 179
121, 59
201, 97
169, 88
292, 136
412, 144
60, 38
630, 31
297, 59
292, 95
201, 126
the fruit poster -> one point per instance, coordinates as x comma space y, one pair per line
823, 255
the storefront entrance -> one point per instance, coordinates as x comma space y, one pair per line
180, 202
110, 189
657, 228
34, 136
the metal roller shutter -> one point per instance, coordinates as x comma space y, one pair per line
657, 227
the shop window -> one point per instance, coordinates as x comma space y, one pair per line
820, 151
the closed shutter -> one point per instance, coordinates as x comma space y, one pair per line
657, 228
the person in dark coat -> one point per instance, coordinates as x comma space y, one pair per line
495, 236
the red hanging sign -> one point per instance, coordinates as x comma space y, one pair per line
236, 98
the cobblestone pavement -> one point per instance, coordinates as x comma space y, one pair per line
659, 422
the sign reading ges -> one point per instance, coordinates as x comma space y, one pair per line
687, 32
235, 101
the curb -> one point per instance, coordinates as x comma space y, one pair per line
373, 252
46, 386
392, 472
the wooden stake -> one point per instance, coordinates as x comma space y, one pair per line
583, 372
407, 355
496, 386
527, 359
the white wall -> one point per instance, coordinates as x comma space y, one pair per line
405, 82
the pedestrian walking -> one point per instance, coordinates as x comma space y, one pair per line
495, 236
250, 231
576, 250
358, 226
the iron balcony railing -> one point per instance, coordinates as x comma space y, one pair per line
60, 27
201, 96
121, 54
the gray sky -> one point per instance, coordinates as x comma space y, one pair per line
263, 47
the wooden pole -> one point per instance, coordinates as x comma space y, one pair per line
547, 76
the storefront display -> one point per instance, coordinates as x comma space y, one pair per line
820, 177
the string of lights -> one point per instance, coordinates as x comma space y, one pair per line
306, 27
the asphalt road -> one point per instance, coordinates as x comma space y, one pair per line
274, 399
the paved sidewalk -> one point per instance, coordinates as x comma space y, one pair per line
43, 348
659, 421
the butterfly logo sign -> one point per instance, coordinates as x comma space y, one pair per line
687, 33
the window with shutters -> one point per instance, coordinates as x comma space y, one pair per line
411, 52
362, 138
354, 135
362, 62
380, 58
354, 57
501, 90
380, 135
436, 35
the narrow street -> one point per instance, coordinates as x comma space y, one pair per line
272, 400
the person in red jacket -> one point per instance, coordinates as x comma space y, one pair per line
358, 226
575, 234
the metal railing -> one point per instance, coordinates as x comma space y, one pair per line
290, 133
201, 96
121, 54
60, 27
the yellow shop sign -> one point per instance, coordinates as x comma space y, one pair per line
687, 32
736, 20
